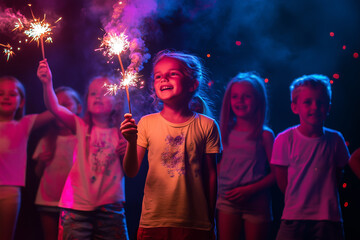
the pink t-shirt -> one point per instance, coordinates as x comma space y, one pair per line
311, 192
14, 136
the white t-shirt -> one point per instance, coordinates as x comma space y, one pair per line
55, 174
14, 137
174, 193
311, 192
98, 179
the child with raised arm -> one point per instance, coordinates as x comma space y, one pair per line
308, 159
54, 159
180, 188
93, 196
244, 200
15, 129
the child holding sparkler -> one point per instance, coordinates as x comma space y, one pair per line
15, 129
308, 161
54, 159
244, 201
180, 189
93, 196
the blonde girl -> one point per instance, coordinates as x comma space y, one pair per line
180, 189
93, 196
243, 202
15, 129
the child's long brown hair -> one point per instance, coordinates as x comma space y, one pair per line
227, 116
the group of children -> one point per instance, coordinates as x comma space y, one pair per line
198, 171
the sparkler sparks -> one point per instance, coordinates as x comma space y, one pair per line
36, 29
129, 79
8, 52
113, 44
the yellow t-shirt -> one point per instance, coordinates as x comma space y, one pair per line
174, 195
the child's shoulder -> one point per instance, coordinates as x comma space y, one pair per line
332, 133
287, 131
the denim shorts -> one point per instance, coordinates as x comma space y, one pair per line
106, 222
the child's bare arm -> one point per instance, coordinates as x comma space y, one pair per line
354, 162
210, 183
281, 174
133, 154
50, 98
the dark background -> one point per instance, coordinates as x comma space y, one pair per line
279, 39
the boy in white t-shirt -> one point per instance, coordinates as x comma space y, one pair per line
308, 161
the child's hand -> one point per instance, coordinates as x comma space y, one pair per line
128, 128
239, 194
45, 158
43, 72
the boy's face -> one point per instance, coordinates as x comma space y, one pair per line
312, 106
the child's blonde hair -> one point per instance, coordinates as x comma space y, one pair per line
20, 112
193, 70
228, 117
117, 113
313, 81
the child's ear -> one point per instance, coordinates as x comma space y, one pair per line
194, 86
294, 108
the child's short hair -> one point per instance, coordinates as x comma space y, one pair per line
313, 81
20, 112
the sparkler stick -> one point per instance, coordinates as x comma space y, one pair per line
42, 47
126, 85
114, 44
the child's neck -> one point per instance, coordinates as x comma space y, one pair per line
6, 117
311, 131
244, 125
176, 115
100, 121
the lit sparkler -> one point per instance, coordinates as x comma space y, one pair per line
8, 52
129, 79
37, 30
112, 45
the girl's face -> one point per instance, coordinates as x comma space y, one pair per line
10, 98
243, 100
65, 99
169, 80
98, 102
